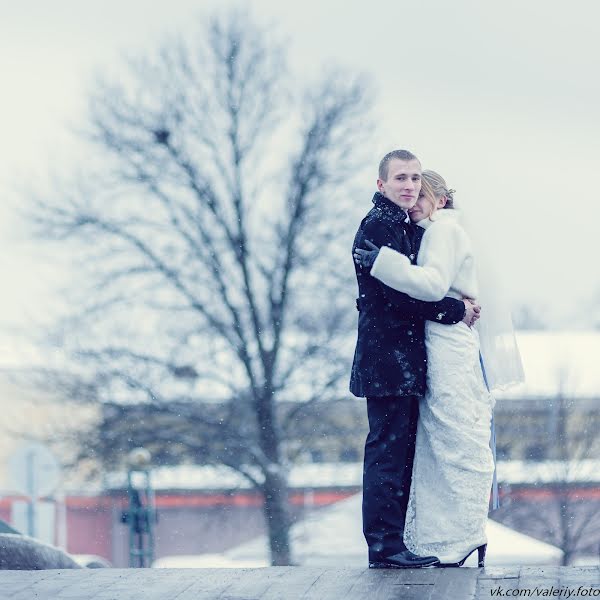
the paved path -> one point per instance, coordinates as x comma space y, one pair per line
291, 583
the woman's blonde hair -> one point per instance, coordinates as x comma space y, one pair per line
434, 187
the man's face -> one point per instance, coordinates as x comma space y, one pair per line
403, 182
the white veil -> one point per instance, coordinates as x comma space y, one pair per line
498, 345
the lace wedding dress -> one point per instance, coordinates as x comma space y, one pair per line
453, 465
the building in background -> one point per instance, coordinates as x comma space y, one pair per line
548, 450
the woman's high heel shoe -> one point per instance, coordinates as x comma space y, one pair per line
480, 558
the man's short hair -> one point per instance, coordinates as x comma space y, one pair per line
384, 165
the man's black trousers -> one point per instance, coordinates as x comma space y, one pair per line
389, 453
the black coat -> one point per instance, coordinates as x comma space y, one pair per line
390, 357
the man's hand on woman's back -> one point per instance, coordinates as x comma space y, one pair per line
366, 258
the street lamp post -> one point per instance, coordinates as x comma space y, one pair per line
141, 512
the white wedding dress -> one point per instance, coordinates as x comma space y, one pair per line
453, 465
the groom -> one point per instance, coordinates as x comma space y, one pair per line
390, 363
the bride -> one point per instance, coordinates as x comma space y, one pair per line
453, 465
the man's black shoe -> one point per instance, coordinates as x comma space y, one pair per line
402, 560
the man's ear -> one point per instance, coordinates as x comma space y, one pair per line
379, 185
442, 202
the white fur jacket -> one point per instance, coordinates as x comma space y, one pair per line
445, 264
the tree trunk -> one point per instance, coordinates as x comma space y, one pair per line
275, 489
277, 518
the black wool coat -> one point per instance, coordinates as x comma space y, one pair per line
390, 357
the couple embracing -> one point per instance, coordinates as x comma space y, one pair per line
426, 364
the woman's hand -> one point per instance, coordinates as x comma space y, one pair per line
366, 258
472, 311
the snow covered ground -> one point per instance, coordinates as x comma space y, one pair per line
333, 537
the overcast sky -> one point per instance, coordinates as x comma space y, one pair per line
501, 98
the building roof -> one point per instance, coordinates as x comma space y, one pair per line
549, 471
349, 475
220, 477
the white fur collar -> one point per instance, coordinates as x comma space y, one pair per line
448, 214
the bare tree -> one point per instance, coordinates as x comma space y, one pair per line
566, 515
208, 227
